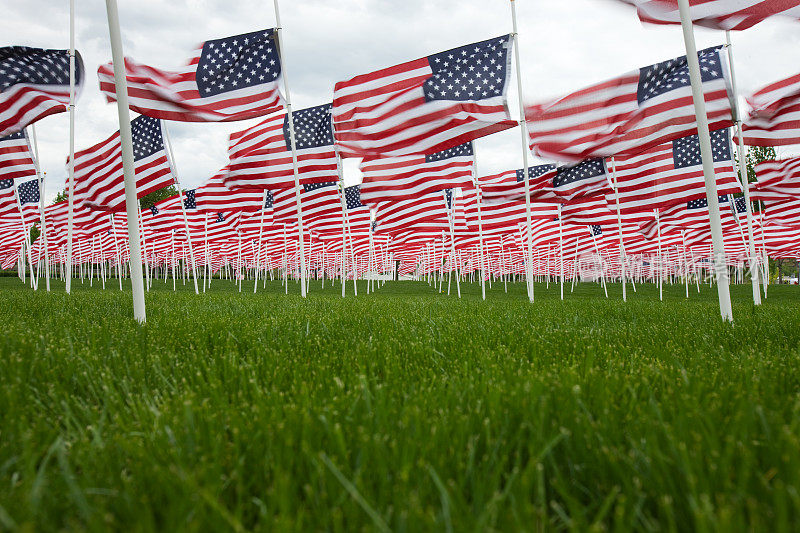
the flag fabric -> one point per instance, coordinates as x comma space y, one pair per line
426, 105
672, 173
213, 195
261, 156
774, 118
389, 179
717, 14
632, 112
777, 180
426, 213
782, 212
510, 185
316, 199
99, 180
233, 78
358, 216
690, 215
28, 192
16, 160
34, 83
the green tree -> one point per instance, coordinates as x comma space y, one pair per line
146, 202
755, 155
35, 232
60, 197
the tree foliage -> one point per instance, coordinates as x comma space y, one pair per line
146, 202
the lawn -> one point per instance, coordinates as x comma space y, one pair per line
402, 410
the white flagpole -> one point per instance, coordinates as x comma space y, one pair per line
260, 234
345, 218
450, 217
660, 259
600, 256
619, 229
480, 222
288, 99
751, 250
180, 199
529, 262
43, 223
116, 249
131, 202
560, 248
718, 258
71, 165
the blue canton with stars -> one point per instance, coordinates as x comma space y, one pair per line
238, 62
312, 127
740, 205
589, 169
701, 203
154, 210
448, 194
686, 151
13, 137
220, 217
534, 172
456, 151
660, 78
352, 196
36, 66
270, 201
472, 72
5, 184
147, 138
596, 230
28, 192
190, 200
308, 187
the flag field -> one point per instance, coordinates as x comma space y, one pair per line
402, 410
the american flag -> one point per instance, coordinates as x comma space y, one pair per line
782, 212
99, 181
777, 180
389, 179
690, 215
426, 213
671, 174
318, 200
233, 78
34, 83
261, 156
717, 14
28, 192
16, 160
774, 114
643, 108
426, 105
502, 217
574, 181
509, 185
213, 195
595, 230
358, 215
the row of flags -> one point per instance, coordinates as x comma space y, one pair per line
629, 142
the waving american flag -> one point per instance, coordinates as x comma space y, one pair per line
643, 108
99, 182
426, 105
34, 83
717, 14
389, 179
261, 156
233, 78
16, 160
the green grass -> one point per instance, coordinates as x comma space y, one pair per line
401, 410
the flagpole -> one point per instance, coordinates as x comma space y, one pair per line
41, 175
180, 199
26, 236
71, 164
720, 268
131, 202
529, 263
751, 250
561, 248
288, 99
619, 229
260, 234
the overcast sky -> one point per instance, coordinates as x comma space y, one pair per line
565, 45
